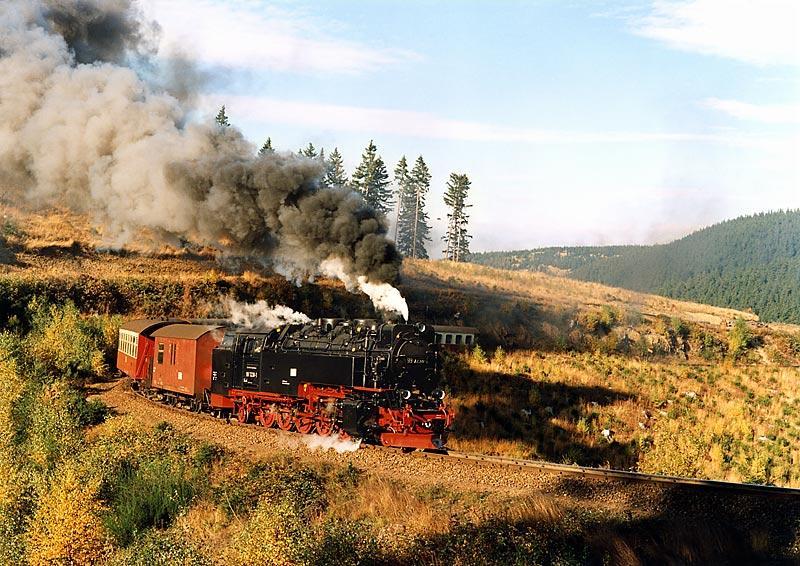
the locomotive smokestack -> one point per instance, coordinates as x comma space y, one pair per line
79, 127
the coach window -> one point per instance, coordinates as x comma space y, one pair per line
160, 353
468, 339
458, 338
448, 338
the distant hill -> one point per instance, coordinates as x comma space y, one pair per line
751, 262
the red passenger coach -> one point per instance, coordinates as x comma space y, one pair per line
182, 359
136, 347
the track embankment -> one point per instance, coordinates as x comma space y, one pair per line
598, 490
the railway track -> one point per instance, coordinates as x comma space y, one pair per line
605, 473
548, 467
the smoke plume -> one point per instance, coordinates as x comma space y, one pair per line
79, 126
336, 442
384, 297
261, 316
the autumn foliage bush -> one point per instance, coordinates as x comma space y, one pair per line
66, 527
69, 345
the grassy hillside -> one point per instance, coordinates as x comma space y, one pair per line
568, 371
750, 263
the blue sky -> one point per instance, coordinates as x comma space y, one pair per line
577, 122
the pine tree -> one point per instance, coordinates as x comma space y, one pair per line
266, 148
222, 118
335, 175
421, 182
412, 220
457, 239
372, 181
402, 182
309, 151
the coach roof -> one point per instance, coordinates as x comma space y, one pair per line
186, 331
455, 329
143, 325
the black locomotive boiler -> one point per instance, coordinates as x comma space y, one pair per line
369, 380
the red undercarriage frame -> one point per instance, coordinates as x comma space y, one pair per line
313, 411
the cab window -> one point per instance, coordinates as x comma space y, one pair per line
252, 345
228, 341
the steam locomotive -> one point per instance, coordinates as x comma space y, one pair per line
378, 382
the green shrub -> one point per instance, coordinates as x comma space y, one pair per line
599, 321
740, 339
52, 433
276, 534
12, 538
711, 347
676, 449
794, 343
503, 543
499, 356
150, 495
65, 344
88, 412
343, 543
160, 548
206, 454
478, 355
275, 481
9, 229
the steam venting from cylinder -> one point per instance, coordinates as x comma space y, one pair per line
90, 121
261, 316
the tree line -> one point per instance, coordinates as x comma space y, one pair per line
405, 195
751, 262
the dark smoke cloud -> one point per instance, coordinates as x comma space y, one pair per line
99, 138
101, 30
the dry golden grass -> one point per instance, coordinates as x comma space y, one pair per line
11, 390
559, 292
739, 423
393, 506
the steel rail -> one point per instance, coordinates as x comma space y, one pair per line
549, 467
607, 473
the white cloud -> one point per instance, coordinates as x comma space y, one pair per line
768, 113
426, 125
256, 36
761, 32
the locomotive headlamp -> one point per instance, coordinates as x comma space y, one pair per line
421, 327
438, 394
404, 394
